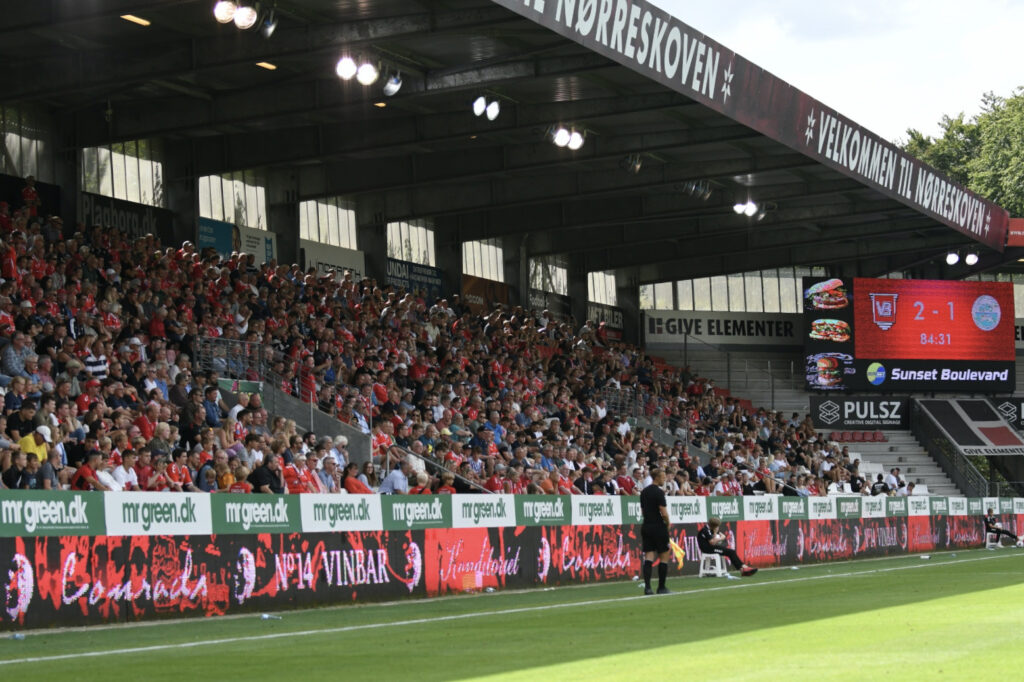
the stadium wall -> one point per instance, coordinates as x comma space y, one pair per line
85, 558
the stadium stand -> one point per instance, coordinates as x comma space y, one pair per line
101, 335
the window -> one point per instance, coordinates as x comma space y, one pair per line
549, 273
132, 171
770, 291
239, 198
484, 259
328, 221
601, 287
26, 143
411, 241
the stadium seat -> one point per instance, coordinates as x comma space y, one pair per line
880, 437
869, 437
834, 436
992, 541
712, 566
845, 437
857, 436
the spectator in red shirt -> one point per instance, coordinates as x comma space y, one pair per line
85, 477
351, 483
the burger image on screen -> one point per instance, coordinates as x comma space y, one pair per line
827, 295
830, 372
830, 330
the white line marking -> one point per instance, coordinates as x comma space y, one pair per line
478, 614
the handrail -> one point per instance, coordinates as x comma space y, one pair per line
437, 467
960, 469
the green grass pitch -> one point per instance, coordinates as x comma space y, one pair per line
948, 617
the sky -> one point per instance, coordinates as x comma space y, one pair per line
887, 64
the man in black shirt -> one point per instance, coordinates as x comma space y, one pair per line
267, 478
993, 527
711, 541
879, 487
654, 531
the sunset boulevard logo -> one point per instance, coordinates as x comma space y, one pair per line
416, 512
483, 511
158, 513
54, 512
331, 513
543, 510
255, 514
596, 510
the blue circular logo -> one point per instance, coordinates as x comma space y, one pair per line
986, 313
876, 373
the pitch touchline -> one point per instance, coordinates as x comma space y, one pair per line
465, 616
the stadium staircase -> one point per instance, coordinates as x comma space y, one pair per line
776, 382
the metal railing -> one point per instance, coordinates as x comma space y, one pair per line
963, 473
246, 361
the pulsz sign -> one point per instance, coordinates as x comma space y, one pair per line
859, 412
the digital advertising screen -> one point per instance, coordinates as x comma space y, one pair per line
894, 335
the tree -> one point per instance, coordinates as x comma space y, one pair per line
986, 153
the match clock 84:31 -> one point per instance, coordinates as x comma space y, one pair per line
933, 319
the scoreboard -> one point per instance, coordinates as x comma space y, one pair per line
894, 335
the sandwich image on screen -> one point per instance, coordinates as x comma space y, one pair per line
827, 295
830, 330
830, 371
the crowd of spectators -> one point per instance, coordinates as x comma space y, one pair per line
98, 333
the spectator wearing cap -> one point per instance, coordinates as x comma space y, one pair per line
37, 442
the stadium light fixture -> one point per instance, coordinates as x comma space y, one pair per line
493, 109
136, 20
224, 11
346, 68
479, 106
952, 258
632, 164
269, 25
267, 65
246, 17
393, 85
575, 140
560, 137
367, 74
747, 208
971, 258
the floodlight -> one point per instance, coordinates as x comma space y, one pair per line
346, 68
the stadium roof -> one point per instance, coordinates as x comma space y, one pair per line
667, 114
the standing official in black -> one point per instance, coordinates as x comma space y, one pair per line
654, 531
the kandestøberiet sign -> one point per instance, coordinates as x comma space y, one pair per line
856, 413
